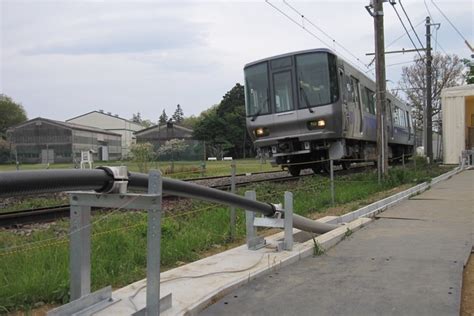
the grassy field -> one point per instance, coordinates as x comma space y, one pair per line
34, 266
179, 170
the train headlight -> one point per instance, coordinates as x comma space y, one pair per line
317, 124
261, 131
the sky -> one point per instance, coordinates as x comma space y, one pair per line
60, 59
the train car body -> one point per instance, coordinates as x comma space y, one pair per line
311, 105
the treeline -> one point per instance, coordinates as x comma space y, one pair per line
221, 127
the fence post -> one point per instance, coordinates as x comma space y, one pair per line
232, 208
331, 168
403, 160
288, 223
153, 245
80, 250
203, 168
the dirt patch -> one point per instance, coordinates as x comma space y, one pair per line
467, 297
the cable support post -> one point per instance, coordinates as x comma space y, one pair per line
115, 193
282, 218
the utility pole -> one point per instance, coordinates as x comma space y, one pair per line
428, 108
382, 144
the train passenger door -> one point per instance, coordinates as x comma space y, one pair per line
283, 98
349, 107
389, 120
359, 121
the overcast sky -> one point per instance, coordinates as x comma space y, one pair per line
65, 58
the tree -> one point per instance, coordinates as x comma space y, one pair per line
447, 72
142, 154
470, 70
178, 115
137, 118
163, 118
223, 126
11, 113
189, 121
172, 147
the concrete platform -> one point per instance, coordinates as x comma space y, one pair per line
408, 262
201, 283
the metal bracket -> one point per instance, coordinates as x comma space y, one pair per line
87, 304
283, 218
165, 303
120, 175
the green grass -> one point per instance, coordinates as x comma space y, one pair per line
32, 273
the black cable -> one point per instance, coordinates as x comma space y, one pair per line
304, 28
325, 33
449, 21
411, 25
406, 30
293, 20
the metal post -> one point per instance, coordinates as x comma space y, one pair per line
232, 208
80, 250
428, 117
403, 160
382, 144
153, 245
203, 168
254, 242
288, 220
331, 168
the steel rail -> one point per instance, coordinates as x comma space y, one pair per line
48, 181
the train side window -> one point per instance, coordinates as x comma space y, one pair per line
408, 120
371, 100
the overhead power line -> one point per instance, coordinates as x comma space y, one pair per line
409, 21
301, 26
449, 21
297, 23
404, 27
428, 10
324, 32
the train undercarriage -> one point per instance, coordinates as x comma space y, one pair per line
295, 156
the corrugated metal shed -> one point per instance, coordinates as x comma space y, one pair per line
457, 104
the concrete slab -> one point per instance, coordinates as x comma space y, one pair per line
201, 283
409, 262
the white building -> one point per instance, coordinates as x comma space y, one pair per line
112, 123
457, 104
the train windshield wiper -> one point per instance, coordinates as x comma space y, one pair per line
260, 106
305, 98
254, 117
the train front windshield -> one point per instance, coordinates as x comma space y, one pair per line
317, 79
256, 87
316, 84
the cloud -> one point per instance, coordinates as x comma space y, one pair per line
106, 38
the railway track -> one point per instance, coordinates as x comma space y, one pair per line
47, 214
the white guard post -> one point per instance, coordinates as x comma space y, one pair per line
83, 302
283, 218
86, 158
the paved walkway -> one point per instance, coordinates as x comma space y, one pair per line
409, 262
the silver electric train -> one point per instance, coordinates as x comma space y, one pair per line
311, 105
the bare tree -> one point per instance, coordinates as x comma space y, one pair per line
447, 72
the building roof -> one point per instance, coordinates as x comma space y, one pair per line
459, 91
67, 125
161, 127
106, 114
